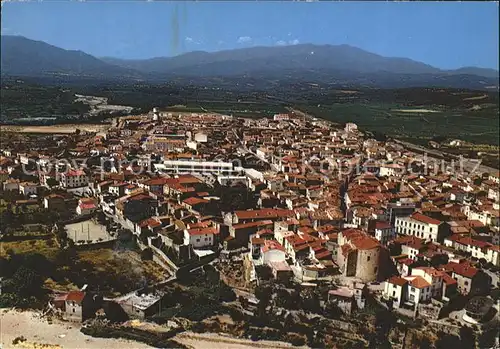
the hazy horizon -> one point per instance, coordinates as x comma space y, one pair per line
442, 34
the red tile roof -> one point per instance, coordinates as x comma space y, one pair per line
194, 201
462, 269
75, 296
382, 225
272, 245
396, 280
264, 213
425, 219
419, 282
252, 224
360, 240
203, 231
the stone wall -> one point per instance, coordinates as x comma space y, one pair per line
367, 264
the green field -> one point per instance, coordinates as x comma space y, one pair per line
474, 126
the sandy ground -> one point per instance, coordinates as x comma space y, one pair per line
40, 334
67, 128
217, 341
58, 335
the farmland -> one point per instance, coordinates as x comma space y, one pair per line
481, 127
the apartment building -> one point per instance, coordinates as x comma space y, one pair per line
423, 227
73, 179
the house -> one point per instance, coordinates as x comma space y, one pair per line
117, 189
469, 279
28, 188
494, 177
155, 185
281, 271
76, 306
11, 185
136, 206
423, 227
419, 289
399, 209
343, 298
140, 305
54, 202
86, 206
201, 237
493, 255
241, 232
384, 232
272, 251
420, 286
195, 204
103, 187
258, 215
434, 277
477, 248
73, 179
351, 127
395, 289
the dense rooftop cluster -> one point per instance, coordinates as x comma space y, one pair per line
304, 198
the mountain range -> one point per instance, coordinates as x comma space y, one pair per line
344, 64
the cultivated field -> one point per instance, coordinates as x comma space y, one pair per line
56, 129
416, 125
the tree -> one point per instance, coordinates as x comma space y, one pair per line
52, 182
27, 282
384, 322
439, 259
446, 340
467, 338
264, 294
395, 249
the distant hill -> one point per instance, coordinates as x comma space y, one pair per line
25, 57
342, 64
304, 56
485, 72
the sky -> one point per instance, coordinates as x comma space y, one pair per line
446, 35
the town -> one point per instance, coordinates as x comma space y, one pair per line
299, 219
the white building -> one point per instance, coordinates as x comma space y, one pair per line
389, 170
203, 237
27, 188
423, 284
187, 166
421, 226
395, 288
200, 137
73, 179
281, 117
351, 127
384, 232
10, 184
233, 180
